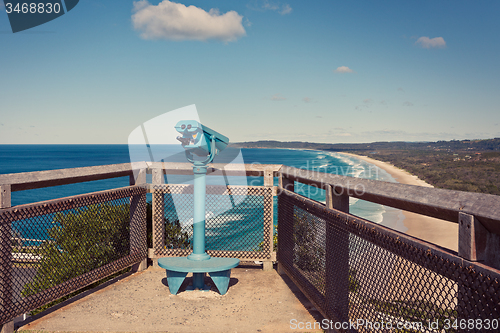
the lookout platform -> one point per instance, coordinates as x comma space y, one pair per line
256, 301
348, 268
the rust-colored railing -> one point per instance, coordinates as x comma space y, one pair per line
364, 277
352, 269
72, 243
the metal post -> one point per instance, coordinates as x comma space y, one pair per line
200, 173
6, 261
199, 214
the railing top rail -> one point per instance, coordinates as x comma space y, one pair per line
70, 202
38, 179
439, 203
232, 169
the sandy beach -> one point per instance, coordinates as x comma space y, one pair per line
442, 233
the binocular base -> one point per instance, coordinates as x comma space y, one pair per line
177, 268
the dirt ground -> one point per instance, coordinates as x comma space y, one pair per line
256, 301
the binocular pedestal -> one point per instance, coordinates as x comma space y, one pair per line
199, 262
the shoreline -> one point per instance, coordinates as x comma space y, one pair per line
400, 175
440, 232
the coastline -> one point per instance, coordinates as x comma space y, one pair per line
442, 233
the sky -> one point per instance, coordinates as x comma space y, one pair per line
316, 71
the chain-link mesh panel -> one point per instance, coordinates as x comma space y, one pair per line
53, 248
365, 277
238, 221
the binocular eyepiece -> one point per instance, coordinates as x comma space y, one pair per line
199, 139
184, 141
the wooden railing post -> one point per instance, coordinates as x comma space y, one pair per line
158, 227
337, 259
472, 238
158, 177
472, 246
285, 235
6, 261
141, 178
269, 182
138, 233
286, 183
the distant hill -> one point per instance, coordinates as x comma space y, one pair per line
455, 145
466, 165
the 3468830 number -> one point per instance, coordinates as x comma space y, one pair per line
33, 8
477, 324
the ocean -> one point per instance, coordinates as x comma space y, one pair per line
26, 158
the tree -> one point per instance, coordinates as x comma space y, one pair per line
175, 238
309, 255
90, 237
79, 241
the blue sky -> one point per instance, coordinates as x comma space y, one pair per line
317, 71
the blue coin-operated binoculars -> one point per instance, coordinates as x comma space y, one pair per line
203, 142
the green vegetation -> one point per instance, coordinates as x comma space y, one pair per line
85, 239
453, 170
81, 241
309, 255
416, 311
175, 238
275, 241
353, 283
467, 165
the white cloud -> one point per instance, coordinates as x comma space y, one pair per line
285, 9
408, 103
174, 21
266, 5
343, 69
277, 97
431, 43
307, 99
368, 101
263, 5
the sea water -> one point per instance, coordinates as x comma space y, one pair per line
27, 158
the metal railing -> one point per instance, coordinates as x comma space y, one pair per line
72, 242
350, 268
243, 230
364, 277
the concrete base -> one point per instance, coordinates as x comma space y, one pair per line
8, 327
267, 265
141, 302
139, 267
280, 270
155, 262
